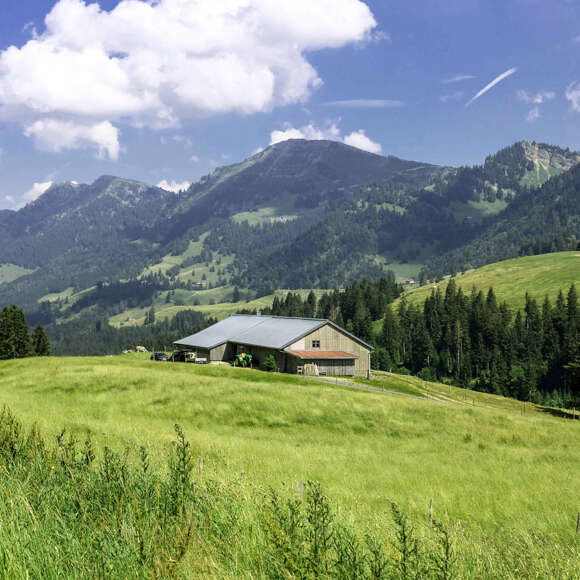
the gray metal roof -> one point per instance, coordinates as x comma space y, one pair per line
268, 331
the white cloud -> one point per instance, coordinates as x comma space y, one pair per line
359, 140
457, 79
535, 98
154, 63
492, 84
185, 141
54, 135
35, 191
194, 159
173, 186
309, 132
573, 95
366, 104
533, 114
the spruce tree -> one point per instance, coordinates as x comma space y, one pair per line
14, 334
40, 342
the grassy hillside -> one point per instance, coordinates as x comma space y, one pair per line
538, 275
363, 446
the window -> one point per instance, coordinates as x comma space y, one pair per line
315, 344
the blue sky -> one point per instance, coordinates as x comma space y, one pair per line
169, 90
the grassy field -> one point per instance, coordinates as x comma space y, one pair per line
478, 209
511, 279
11, 272
491, 470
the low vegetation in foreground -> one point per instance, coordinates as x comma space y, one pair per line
276, 476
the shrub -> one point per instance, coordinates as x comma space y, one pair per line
270, 363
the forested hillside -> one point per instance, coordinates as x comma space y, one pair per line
537, 221
301, 214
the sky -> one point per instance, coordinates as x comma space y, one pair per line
164, 91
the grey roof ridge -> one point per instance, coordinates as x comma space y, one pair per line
228, 339
322, 321
283, 317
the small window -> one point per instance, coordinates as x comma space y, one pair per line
315, 344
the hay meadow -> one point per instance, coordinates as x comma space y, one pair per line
504, 483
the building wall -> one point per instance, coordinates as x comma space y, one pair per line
332, 339
328, 367
223, 352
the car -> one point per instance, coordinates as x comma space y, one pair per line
161, 356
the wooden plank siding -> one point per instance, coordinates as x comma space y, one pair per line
333, 339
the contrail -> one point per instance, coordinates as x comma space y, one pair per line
496, 80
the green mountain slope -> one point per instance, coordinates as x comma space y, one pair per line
541, 275
303, 176
540, 220
299, 214
77, 235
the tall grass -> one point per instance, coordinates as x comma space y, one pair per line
71, 511
504, 483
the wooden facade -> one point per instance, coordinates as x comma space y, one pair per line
331, 338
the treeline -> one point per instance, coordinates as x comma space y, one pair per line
353, 308
16, 340
89, 336
476, 342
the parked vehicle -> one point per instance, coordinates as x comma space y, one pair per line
183, 356
160, 356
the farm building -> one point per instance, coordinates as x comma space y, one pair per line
299, 345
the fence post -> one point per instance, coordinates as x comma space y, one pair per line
578, 523
300, 490
200, 467
431, 512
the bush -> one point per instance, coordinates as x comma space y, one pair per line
270, 363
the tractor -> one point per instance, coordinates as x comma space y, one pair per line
243, 360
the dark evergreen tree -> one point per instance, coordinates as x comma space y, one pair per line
40, 342
15, 339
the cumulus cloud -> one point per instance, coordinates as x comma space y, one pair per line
359, 140
153, 64
35, 191
535, 99
309, 132
573, 95
173, 186
54, 135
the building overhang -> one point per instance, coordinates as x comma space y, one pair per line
322, 354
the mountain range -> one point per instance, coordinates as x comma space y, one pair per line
299, 214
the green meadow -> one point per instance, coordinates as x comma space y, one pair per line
504, 481
511, 279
